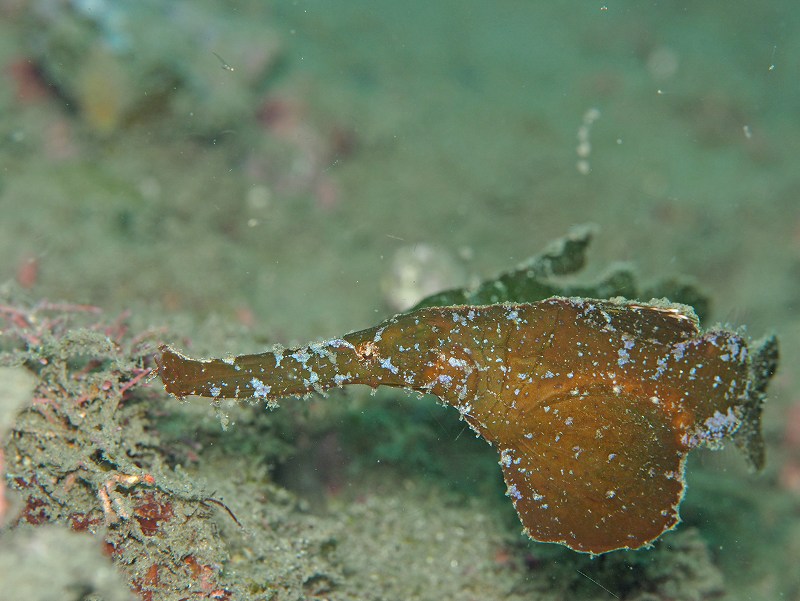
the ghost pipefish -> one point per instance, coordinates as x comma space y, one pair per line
593, 405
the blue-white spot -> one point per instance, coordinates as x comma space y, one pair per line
260, 390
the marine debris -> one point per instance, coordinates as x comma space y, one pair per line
592, 404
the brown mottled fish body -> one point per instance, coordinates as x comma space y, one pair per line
593, 405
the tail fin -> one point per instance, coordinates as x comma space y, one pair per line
748, 437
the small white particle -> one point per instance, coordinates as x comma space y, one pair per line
301, 355
387, 364
513, 492
260, 390
457, 362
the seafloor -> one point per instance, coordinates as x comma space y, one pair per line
224, 176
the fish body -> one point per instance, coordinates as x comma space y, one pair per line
593, 405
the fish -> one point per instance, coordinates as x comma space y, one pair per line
593, 405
